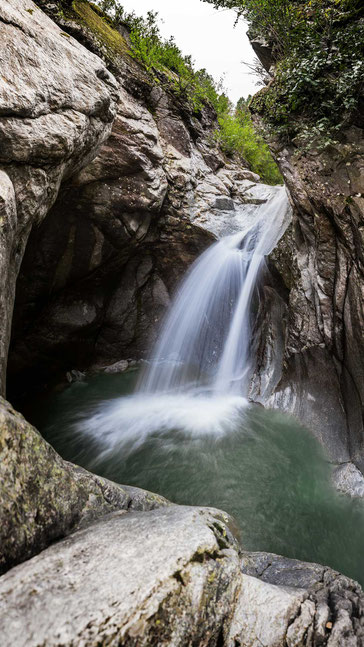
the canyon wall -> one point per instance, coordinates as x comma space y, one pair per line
319, 374
57, 105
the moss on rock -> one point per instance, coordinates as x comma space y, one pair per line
111, 42
43, 498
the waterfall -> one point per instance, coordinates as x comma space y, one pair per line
199, 373
205, 340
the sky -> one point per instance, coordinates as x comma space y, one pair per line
209, 36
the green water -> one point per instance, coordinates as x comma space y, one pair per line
268, 472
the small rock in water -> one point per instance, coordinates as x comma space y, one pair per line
348, 479
75, 376
224, 204
118, 367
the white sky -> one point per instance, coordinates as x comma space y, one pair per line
209, 36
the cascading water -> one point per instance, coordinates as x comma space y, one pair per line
194, 336
199, 373
205, 340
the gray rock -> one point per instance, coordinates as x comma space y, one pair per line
349, 480
264, 52
43, 498
282, 571
166, 577
118, 367
224, 204
173, 577
53, 117
321, 268
284, 602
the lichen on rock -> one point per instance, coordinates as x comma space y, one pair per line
43, 498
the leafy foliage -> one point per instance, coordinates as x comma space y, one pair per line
236, 134
157, 54
317, 47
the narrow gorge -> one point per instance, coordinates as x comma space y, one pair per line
181, 347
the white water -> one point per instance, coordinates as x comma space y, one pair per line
199, 373
206, 338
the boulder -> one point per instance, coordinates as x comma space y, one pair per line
174, 577
166, 577
43, 498
286, 603
224, 204
347, 478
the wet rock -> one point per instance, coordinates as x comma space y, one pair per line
349, 480
224, 204
75, 376
323, 267
117, 367
42, 497
320, 262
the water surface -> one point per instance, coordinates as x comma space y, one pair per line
260, 466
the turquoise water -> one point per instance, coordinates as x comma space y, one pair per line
267, 471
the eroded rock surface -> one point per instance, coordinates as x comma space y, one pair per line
166, 577
319, 267
348, 479
174, 577
57, 104
43, 498
284, 602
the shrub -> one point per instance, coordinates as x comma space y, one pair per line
236, 134
317, 47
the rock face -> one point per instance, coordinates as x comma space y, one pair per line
287, 602
326, 305
318, 291
43, 498
174, 577
98, 273
57, 104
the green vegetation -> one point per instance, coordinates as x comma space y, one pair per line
317, 48
165, 62
111, 43
164, 56
236, 134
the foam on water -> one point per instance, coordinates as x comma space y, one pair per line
129, 420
